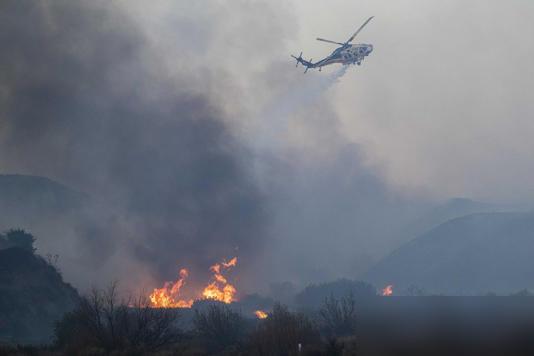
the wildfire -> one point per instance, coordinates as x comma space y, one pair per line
167, 297
218, 289
260, 314
387, 291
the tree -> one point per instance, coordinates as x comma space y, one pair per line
102, 321
415, 291
19, 238
282, 333
339, 315
522, 293
219, 327
313, 295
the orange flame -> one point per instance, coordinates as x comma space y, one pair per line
231, 263
167, 297
387, 291
260, 314
218, 289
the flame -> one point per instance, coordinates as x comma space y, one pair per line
218, 289
387, 291
231, 263
166, 297
260, 314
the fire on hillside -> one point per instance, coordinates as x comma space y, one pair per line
218, 289
387, 291
260, 314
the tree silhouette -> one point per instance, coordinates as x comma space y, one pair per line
219, 327
339, 315
19, 238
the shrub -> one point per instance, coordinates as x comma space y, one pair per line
522, 293
338, 316
314, 295
282, 332
103, 322
415, 291
17, 238
219, 327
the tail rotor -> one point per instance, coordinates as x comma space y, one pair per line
308, 64
299, 59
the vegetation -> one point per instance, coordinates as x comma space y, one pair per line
338, 316
522, 293
314, 295
33, 293
284, 333
415, 291
17, 238
219, 327
103, 322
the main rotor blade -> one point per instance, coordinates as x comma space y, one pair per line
328, 41
358, 31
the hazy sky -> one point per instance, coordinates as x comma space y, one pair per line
443, 105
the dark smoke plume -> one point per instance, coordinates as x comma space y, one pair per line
80, 103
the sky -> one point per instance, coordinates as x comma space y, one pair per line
192, 124
443, 100
443, 105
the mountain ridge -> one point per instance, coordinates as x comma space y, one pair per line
474, 254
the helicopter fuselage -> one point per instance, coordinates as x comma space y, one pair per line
348, 54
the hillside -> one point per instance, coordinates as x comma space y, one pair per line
32, 297
28, 200
475, 254
448, 210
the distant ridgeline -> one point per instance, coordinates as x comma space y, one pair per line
31, 201
33, 295
475, 254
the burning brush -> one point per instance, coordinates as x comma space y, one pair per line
387, 291
219, 289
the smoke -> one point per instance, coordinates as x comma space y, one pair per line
439, 107
330, 207
304, 92
196, 138
83, 103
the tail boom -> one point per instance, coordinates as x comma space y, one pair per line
308, 64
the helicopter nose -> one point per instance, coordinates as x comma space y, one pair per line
369, 48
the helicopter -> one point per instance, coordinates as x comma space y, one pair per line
346, 54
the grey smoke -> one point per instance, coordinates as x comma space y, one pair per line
293, 100
81, 104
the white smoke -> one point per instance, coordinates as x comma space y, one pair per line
275, 118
